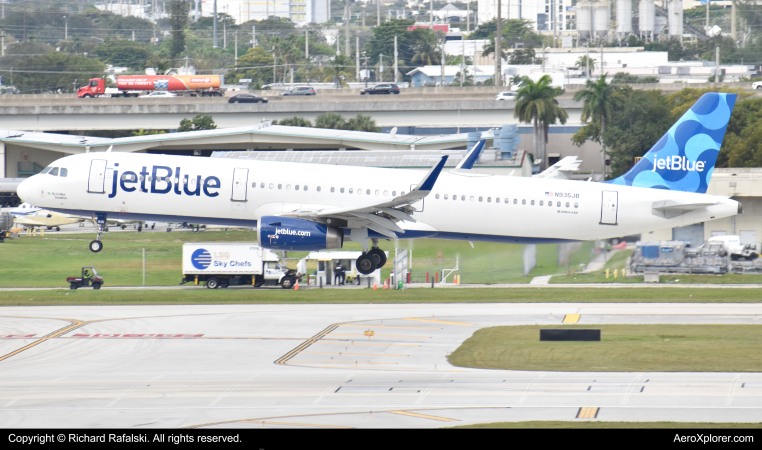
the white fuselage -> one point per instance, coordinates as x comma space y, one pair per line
460, 206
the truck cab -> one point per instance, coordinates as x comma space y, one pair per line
95, 88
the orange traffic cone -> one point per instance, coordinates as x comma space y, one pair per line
384, 284
296, 286
375, 286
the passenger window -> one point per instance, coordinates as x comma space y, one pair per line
472, 198
341, 190
318, 189
515, 201
567, 204
64, 172
351, 191
480, 199
576, 205
377, 192
532, 203
436, 196
541, 203
558, 204
454, 197
288, 187
53, 171
445, 197
489, 199
386, 193
394, 193
254, 185
280, 186
523, 202
333, 189
296, 187
550, 204
367, 192
262, 185
463, 198
271, 185
306, 187
497, 199
402, 193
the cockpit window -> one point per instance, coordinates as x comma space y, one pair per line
64, 172
47, 169
53, 171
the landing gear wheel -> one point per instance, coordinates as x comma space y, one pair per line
140, 229
195, 229
96, 286
366, 264
169, 229
378, 256
96, 246
212, 283
287, 282
58, 228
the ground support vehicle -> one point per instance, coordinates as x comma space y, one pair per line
136, 85
220, 265
381, 88
731, 245
6, 223
89, 278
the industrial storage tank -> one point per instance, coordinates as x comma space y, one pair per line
675, 18
624, 16
601, 17
647, 12
584, 19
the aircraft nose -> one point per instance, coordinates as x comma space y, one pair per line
25, 189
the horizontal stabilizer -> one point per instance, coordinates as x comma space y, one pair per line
468, 162
562, 170
669, 209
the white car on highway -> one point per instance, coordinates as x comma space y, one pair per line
507, 95
756, 85
159, 94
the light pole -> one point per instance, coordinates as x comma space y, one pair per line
66, 28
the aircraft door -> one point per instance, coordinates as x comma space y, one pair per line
240, 180
96, 182
609, 207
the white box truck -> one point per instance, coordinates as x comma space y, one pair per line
234, 264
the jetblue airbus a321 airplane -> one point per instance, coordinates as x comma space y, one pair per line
308, 207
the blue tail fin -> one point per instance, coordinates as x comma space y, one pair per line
684, 158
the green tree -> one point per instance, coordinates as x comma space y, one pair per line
55, 71
598, 105
125, 53
295, 121
178, 19
255, 64
142, 132
426, 51
362, 123
199, 122
583, 61
382, 41
523, 57
331, 120
536, 103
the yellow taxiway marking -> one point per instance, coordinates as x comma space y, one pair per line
383, 335
393, 326
424, 416
356, 344
61, 331
571, 318
588, 413
363, 354
291, 424
438, 321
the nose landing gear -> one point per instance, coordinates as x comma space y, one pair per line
100, 222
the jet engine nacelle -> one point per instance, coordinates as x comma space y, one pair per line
286, 233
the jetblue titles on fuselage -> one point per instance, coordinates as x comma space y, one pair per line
161, 182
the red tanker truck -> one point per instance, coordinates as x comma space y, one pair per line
134, 85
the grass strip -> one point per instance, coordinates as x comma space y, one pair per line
623, 348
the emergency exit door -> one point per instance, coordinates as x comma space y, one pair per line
609, 207
240, 179
97, 180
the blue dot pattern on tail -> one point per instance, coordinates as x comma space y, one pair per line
201, 259
684, 158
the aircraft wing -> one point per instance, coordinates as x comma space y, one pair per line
471, 157
51, 220
669, 209
381, 216
561, 170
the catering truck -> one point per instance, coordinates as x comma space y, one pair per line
234, 264
135, 85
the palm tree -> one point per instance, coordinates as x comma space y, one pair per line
362, 123
330, 120
295, 121
598, 105
426, 51
536, 104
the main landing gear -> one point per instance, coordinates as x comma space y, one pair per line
100, 222
372, 260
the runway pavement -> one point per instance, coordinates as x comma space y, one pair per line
316, 366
